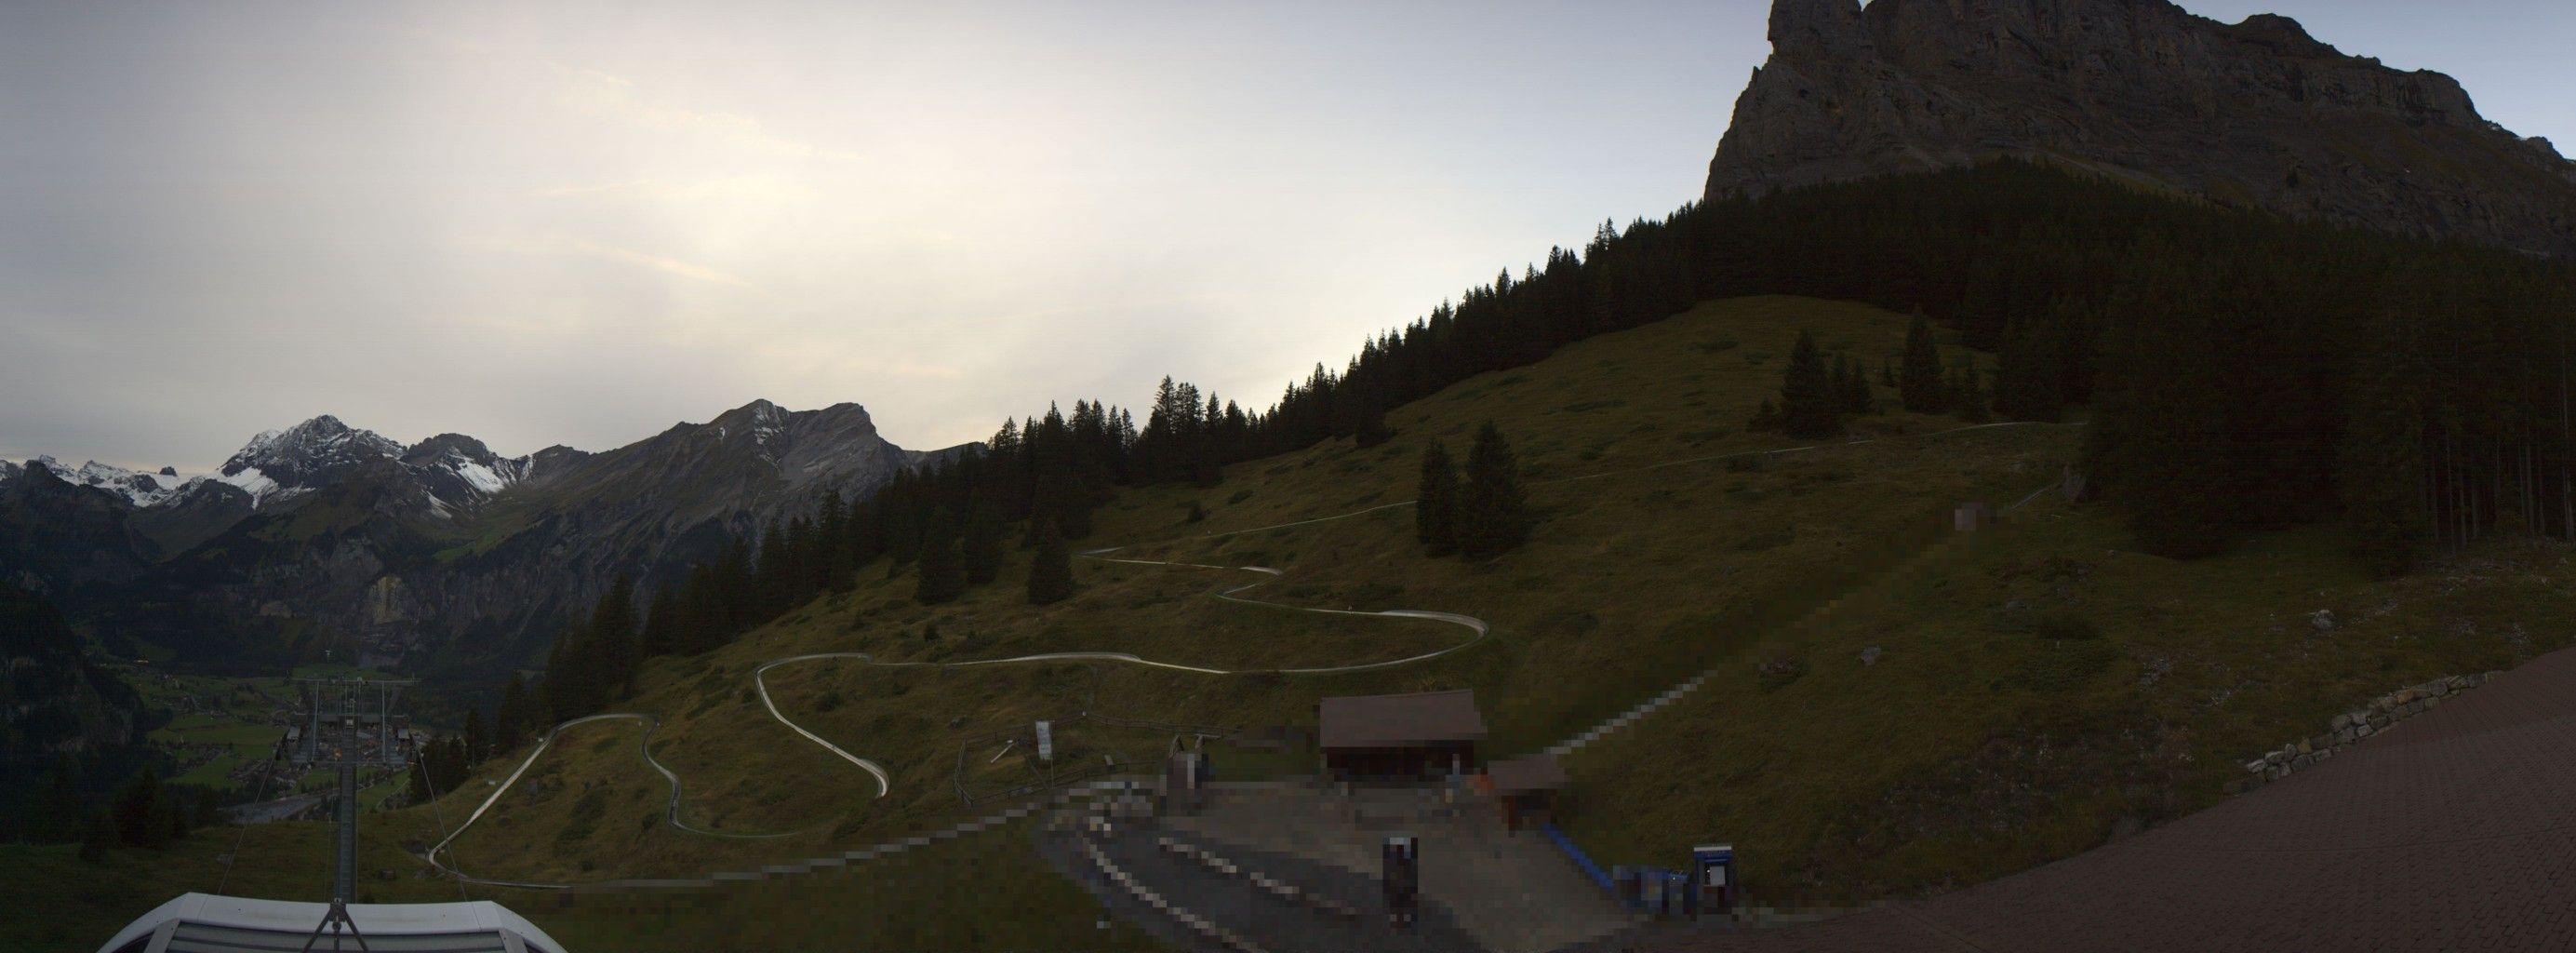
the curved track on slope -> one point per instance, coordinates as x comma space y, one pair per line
884, 781
643, 746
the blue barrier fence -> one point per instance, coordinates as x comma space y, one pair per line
1581, 860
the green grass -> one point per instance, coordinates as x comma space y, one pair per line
1561, 656
1990, 736
1978, 745
986, 891
230, 712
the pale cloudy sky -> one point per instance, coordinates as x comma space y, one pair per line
579, 223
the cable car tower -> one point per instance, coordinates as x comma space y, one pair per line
345, 724
348, 724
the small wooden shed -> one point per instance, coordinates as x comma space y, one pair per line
1525, 787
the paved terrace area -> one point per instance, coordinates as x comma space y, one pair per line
2453, 830
1511, 892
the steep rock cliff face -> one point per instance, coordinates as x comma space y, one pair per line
2256, 113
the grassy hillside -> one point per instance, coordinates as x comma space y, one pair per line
1627, 480
1671, 541
1980, 743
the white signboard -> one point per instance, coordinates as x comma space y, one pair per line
1046, 742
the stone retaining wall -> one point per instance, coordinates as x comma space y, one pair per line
2352, 726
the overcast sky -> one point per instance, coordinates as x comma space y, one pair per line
579, 223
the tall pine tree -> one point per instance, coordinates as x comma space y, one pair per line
142, 814
1920, 382
514, 719
943, 567
2027, 375
1808, 401
982, 548
1852, 389
2380, 473
571, 681
1493, 512
613, 632
1051, 572
1968, 397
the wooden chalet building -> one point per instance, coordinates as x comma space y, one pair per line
1399, 737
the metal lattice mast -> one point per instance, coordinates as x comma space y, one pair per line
345, 728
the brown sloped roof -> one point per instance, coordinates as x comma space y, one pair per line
1395, 721
1538, 772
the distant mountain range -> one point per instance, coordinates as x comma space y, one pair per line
323, 536
2255, 114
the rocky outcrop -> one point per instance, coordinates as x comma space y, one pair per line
2256, 113
2351, 727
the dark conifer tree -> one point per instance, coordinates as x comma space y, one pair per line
97, 834
477, 745
570, 685
702, 623
142, 814
514, 719
1853, 390
1968, 398
943, 567
1493, 512
1886, 374
1051, 572
835, 560
1807, 398
774, 577
734, 591
2381, 467
2026, 375
1767, 417
982, 548
1371, 429
417, 789
58, 813
1436, 501
661, 632
178, 807
2160, 443
613, 642
1921, 385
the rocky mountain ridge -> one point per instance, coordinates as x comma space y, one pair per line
324, 536
2256, 113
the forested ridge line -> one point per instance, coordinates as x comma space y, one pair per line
2244, 371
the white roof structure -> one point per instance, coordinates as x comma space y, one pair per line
206, 923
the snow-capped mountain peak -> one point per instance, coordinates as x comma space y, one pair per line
322, 441
140, 489
460, 469
279, 464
